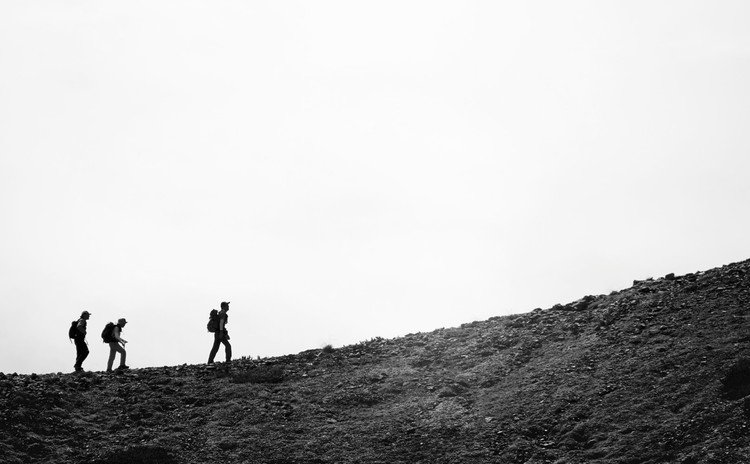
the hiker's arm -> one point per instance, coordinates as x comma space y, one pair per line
118, 338
81, 327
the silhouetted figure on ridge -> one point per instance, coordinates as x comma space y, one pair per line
111, 335
78, 333
221, 335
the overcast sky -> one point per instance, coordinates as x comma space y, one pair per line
343, 170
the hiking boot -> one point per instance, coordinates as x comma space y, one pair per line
122, 368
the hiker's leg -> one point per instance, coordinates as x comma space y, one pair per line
123, 353
215, 348
77, 365
228, 350
80, 352
85, 353
112, 351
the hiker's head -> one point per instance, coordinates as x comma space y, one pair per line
121, 322
225, 306
85, 315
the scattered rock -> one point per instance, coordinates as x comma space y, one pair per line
662, 365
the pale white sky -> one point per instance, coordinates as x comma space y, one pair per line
345, 170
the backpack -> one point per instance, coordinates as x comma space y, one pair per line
108, 333
213, 321
73, 330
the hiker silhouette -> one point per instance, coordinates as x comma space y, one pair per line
78, 333
115, 341
221, 335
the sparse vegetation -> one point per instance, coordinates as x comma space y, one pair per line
656, 373
260, 374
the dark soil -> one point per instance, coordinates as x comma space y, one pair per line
656, 373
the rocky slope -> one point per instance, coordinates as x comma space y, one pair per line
659, 372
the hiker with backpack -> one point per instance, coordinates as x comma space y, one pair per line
77, 332
111, 335
217, 324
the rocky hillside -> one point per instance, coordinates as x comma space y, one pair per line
659, 372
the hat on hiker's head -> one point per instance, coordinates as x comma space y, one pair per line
85, 313
224, 304
121, 321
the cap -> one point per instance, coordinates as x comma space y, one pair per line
121, 321
224, 303
85, 313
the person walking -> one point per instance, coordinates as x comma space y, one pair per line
221, 335
117, 345
79, 338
